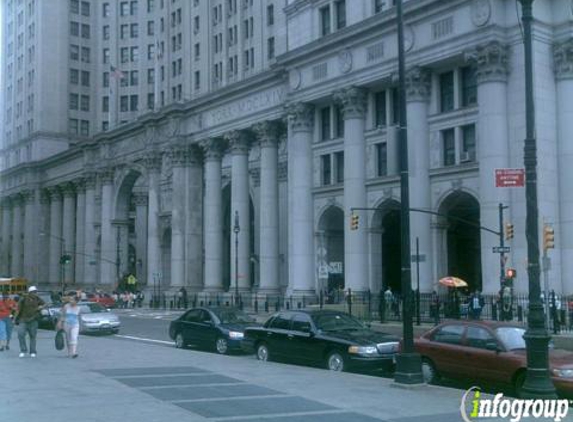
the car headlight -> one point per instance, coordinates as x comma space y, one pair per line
563, 373
236, 335
363, 350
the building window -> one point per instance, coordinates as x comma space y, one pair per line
270, 15
74, 76
85, 128
134, 30
85, 31
325, 124
469, 86
468, 143
123, 31
381, 159
85, 8
74, 29
197, 80
74, 101
197, 51
150, 76
271, 48
74, 52
124, 8
150, 101
85, 103
85, 54
105, 104
150, 6
339, 122
134, 78
326, 170
106, 79
150, 51
446, 91
339, 162
105, 32
105, 125
73, 126
340, 8
449, 147
380, 109
105, 10
378, 5
133, 102
124, 54
133, 8
134, 54
124, 103
85, 78
150, 27
75, 6
106, 55
325, 21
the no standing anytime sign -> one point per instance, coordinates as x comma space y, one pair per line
509, 178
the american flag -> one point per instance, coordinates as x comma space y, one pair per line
116, 73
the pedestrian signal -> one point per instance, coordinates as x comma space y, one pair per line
354, 221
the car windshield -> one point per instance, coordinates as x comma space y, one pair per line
511, 337
337, 322
91, 308
229, 316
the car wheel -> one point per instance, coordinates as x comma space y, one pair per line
221, 346
429, 371
263, 352
518, 382
115, 330
180, 341
335, 362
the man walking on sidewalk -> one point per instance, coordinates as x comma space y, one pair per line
27, 319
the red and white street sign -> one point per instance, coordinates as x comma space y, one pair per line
509, 178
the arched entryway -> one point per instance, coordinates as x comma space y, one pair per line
330, 249
385, 244
166, 259
460, 233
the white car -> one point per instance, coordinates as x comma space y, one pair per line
94, 318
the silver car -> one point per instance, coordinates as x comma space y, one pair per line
94, 318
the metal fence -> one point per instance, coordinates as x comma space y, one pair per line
383, 307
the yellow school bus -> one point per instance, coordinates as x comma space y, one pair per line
13, 286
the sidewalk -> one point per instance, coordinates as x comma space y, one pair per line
117, 380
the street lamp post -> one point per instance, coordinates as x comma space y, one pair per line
62, 261
537, 381
408, 363
236, 230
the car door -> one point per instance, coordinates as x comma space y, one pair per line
302, 344
481, 362
188, 326
210, 330
445, 349
277, 335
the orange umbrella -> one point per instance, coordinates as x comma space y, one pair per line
453, 282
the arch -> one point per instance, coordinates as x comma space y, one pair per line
331, 248
385, 246
460, 238
123, 193
165, 247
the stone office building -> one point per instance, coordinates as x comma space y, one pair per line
266, 122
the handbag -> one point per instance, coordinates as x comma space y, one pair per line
59, 340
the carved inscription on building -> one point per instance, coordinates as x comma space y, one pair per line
245, 106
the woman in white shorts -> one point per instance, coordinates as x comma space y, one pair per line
70, 320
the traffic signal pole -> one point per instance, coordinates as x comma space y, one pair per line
501, 246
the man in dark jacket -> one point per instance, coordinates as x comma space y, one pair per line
27, 319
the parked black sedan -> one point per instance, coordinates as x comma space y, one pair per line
218, 328
335, 339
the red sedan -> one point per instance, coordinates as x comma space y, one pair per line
488, 352
103, 299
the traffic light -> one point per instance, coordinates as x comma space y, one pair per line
354, 221
510, 273
508, 231
65, 259
548, 237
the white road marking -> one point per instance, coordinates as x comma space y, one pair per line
144, 339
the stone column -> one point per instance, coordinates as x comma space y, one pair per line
30, 235
353, 102
55, 236
268, 136
90, 269
493, 150
69, 229
43, 240
6, 233
194, 219
302, 272
140, 200
213, 219
417, 97
178, 155
239, 144
563, 57
17, 251
152, 162
107, 248
79, 258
